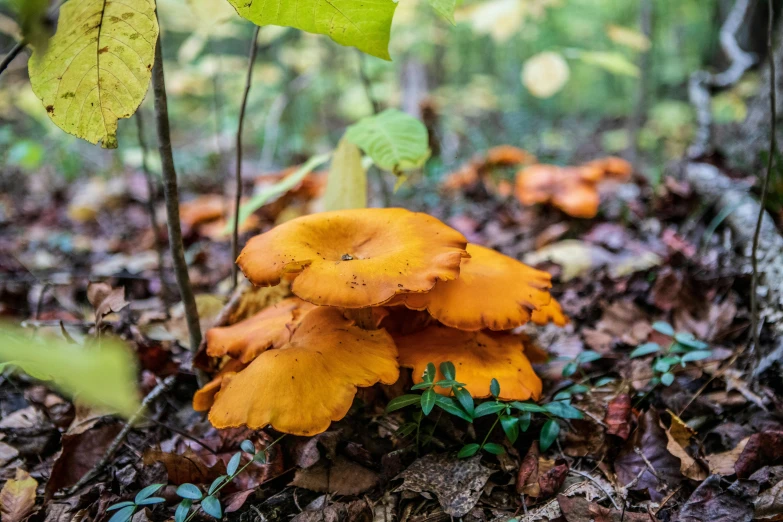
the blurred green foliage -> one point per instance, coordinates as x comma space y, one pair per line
307, 89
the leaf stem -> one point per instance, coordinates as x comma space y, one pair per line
486, 438
171, 193
12, 54
238, 192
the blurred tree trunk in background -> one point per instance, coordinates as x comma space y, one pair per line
745, 143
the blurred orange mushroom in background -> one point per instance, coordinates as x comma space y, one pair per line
301, 387
493, 291
355, 258
478, 358
477, 171
574, 190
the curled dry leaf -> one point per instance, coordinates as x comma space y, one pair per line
105, 299
186, 467
17, 498
712, 502
761, 449
618, 416
679, 437
458, 483
578, 509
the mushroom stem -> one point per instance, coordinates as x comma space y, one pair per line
364, 318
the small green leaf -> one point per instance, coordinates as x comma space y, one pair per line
562, 396
449, 406
216, 484
510, 426
495, 449
150, 500
429, 373
422, 386
448, 370
465, 399
494, 388
549, 433
182, 510
488, 408
664, 363
563, 410
428, 401
189, 491
406, 429
468, 450
667, 379
212, 507
690, 341
124, 514
120, 505
569, 369
696, 355
663, 327
233, 464
528, 406
260, 457
394, 140
578, 388
402, 401
645, 349
587, 356
248, 447
603, 381
524, 421
147, 492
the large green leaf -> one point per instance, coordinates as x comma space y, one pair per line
364, 24
98, 66
102, 375
445, 8
394, 140
346, 186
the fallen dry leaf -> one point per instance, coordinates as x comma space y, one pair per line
762, 449
185, 467
578, 509
17, 498
679, 438
105, 299
712, 503
769, 504
341, 476
723, 463
458, 483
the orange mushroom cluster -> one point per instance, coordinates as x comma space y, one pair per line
574, 190
477, 171
374, 289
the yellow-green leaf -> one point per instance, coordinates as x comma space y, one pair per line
36, 28
628, 37
17, 498
347, 183
394, 140
102, 375
98, 66
445, 8
364, 24
614, 63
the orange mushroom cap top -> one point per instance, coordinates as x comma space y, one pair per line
356, 258
493, 291
270, 328
508, 155
551, 313
478, 358
570, 189
311, 381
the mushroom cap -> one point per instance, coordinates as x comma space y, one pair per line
551, 313
478, 358
536, 183
508, 155
204, 398
571, 189
270, 328
613, 167
493, 291
311, 381
356, 258
577, 199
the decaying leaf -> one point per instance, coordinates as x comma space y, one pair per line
458, 483
98, 66
105, 299
17, 498
578, 509
185, 467
618, 413
341, 477
712, 502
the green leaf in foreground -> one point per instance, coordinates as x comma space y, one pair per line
102, 375
278, 189
402, 401
468, 451
97, 67
346, 186
394, 140
364, 24
549, 433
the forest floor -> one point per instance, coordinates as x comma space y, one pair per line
707, 446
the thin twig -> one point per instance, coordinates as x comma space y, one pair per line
12, 54
151, 197
156, 392
754, 312
171, 193
598, 484
238, 195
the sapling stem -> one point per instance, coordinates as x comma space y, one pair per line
151, 192
238, 193
486, 438
12, 54
171, 193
